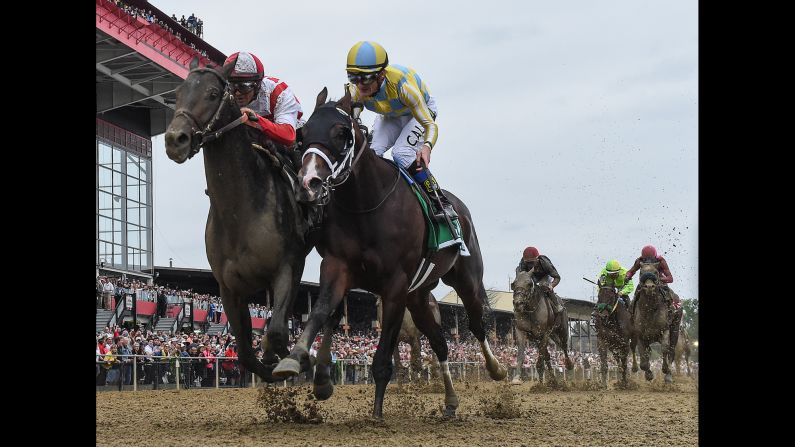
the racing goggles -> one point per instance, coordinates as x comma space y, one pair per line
362, 78
243, 87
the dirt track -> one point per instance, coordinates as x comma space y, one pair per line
650, 415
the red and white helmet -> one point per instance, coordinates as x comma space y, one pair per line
648, 252
247, 67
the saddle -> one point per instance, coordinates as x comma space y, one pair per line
440, 233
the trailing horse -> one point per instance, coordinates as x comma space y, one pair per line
536, 322
653, 320
613, 330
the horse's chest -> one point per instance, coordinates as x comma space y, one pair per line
525, 326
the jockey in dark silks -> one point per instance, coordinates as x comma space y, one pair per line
541, 268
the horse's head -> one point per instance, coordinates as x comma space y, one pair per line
328, 140
649, 281
606, 300
523, 287
200, 100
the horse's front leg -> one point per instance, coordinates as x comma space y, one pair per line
322, 387
285, 288
644, 358
334, 283
602, 346
666, 349
632, 345
394, 309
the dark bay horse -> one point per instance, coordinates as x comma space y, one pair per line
536, 322
410, 335
653, 321
373, 237
613, 330
255, 233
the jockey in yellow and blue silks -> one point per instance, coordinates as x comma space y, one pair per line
615, 275
405, 113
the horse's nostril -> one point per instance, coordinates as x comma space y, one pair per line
182, 138
315, 183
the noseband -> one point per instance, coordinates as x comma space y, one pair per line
200, 137
340, 171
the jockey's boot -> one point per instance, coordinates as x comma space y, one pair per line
424, 177
627, 301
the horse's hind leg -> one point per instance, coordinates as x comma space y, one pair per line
415, 366
425, 322
562, 339
240, 323
473, 295
322, 387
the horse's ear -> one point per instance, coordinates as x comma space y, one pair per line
321, 97
194, 62
227, 70
345, 102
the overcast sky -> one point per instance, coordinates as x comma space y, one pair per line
570, 126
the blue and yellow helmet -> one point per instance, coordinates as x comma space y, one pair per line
367, 57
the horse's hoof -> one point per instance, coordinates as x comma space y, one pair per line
668, 378
286, 368
516, 381
649, 376
449, 412
634, 369
498, 373
323, 392
377, 417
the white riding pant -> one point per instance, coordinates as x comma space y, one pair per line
401, 133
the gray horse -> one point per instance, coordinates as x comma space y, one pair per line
536, 322
255, 229
653, 321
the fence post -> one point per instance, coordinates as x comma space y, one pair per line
157, 374
135, 373
177, 372
217, 374
253, 385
